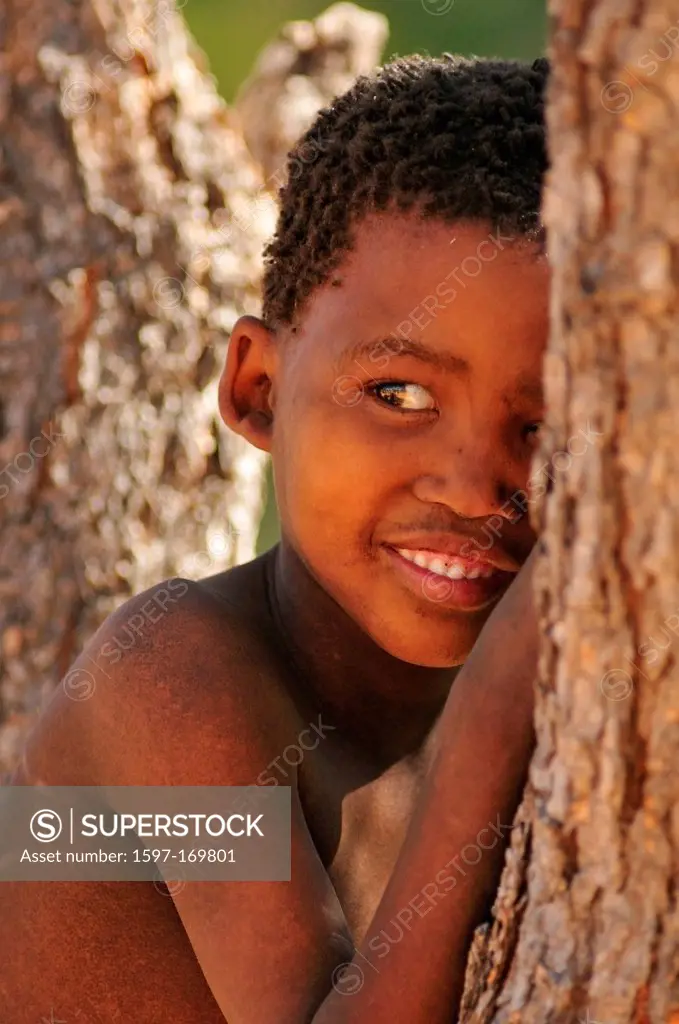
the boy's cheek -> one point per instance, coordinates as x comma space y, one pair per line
337, 477
326, 501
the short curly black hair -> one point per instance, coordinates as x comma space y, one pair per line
458, 138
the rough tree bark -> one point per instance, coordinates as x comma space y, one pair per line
594, 934
132, 222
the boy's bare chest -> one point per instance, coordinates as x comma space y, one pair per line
357, 823
356, 814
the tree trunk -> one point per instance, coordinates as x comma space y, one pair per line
594, 935
133, 219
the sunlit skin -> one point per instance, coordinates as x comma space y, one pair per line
421, 752
356, 476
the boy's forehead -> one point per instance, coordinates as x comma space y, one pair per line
412, 276
404, 249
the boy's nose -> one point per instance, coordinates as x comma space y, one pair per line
474, 485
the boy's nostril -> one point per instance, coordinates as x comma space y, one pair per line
502, 493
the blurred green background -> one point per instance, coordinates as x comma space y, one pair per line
231, 32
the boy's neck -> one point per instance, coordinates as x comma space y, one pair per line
371, 696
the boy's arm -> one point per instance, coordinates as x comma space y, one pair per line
451, 858
482, 749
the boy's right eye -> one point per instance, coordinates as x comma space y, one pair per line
532, 430
402, 395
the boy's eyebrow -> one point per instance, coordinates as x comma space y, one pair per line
377, 351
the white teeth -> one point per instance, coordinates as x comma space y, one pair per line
442, 566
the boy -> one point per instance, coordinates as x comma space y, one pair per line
396, 380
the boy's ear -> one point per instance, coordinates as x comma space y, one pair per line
246, 384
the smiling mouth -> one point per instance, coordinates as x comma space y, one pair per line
450, 580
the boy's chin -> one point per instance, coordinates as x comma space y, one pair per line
447, 648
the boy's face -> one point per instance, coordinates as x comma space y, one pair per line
404, 417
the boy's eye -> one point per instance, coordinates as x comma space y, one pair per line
400, 394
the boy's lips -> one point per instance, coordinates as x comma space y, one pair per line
451, 547
453, 571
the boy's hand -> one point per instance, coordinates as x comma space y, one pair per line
495, 693
512, 628
509, 638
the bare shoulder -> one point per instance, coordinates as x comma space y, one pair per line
178, 687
